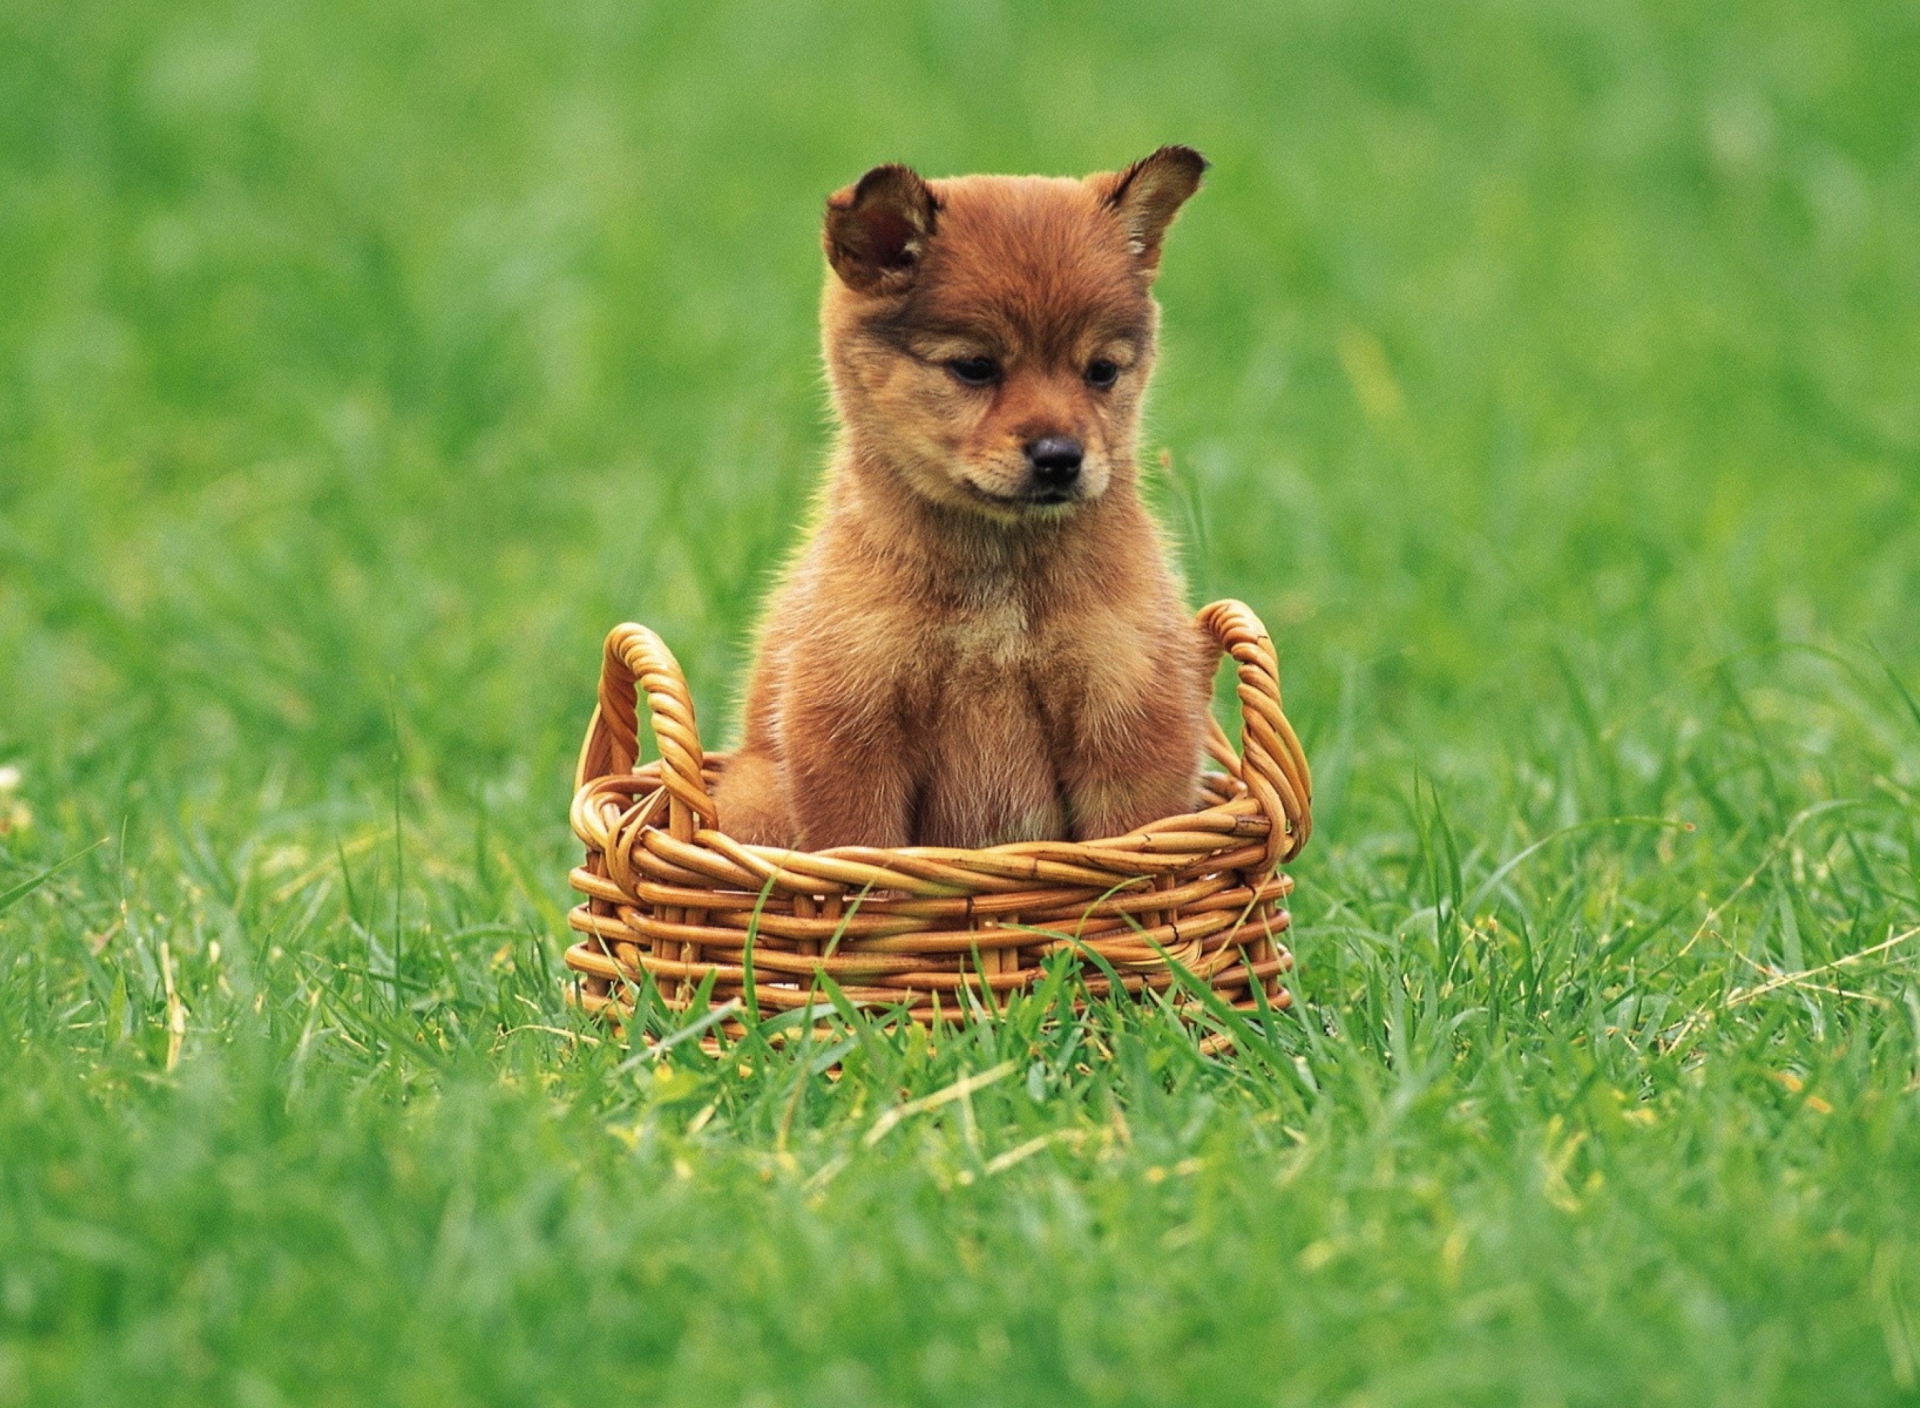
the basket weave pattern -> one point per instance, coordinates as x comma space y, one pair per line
922, 928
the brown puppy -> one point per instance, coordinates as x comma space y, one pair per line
982, 640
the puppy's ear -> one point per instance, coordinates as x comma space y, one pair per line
877, 227
1148, 194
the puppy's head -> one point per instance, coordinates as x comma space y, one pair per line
988, 338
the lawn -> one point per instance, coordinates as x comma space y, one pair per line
1546, 376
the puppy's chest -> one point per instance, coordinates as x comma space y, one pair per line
999, 636
986, 659
1007, 662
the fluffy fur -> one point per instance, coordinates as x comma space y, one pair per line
978, 645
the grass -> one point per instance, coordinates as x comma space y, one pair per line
1544, 375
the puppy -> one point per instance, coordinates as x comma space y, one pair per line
982, 640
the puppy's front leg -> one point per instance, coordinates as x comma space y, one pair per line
1142, 744
851, 781
1110, 794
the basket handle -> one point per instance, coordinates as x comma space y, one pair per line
635, 655
1273, 765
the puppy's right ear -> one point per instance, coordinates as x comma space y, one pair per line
877, 227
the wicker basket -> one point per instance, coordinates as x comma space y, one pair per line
921, 931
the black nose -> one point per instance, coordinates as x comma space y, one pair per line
1055, 460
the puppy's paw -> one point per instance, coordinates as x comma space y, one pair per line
752, 804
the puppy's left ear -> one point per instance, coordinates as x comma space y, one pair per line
1148, 194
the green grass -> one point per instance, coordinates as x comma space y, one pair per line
1544, 375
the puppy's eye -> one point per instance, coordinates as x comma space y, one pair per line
975, 371
1101, 373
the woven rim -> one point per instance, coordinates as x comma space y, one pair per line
929, 928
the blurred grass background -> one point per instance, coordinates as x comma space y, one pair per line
1545, 375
